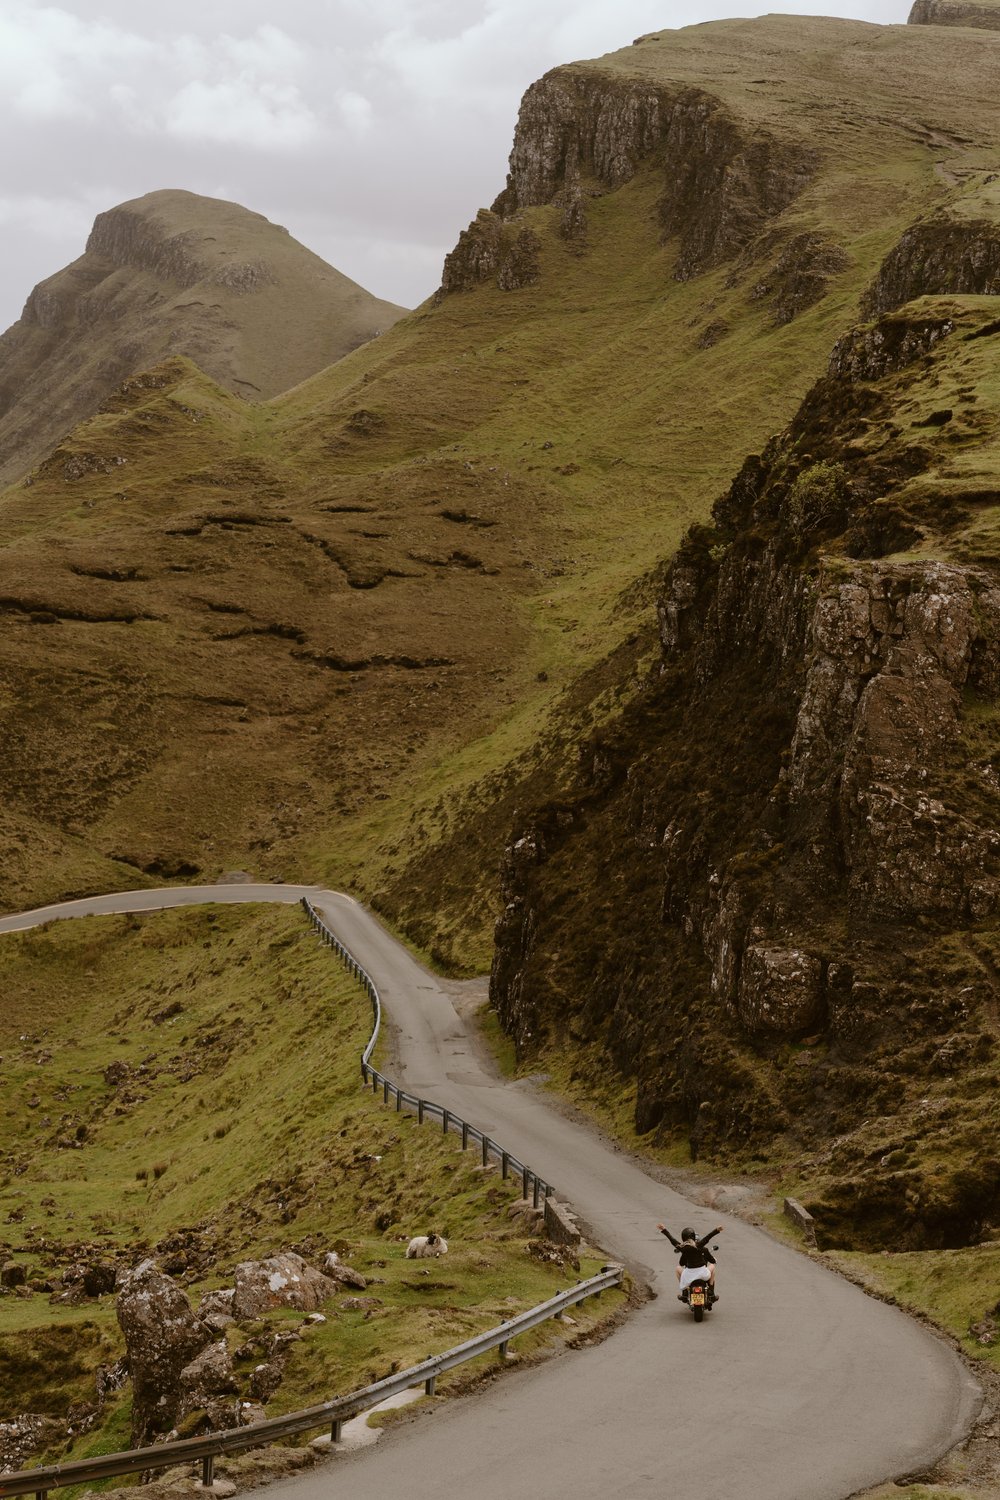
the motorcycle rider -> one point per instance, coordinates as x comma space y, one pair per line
693, 1258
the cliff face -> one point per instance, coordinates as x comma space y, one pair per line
723, 177
984, 17
173, 273
955, 250
773, 897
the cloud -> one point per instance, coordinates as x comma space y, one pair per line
374, 129
49, 57
356, 112
258, 116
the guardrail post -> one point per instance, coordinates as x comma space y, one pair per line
524, 1182
336, 1428
207, 1466
505, 1164
430, 1385
502, 1349
486, 1150
385, 1091
445, 1122
420, 1111
399, 1099
465, 1135
374, 1082
537, 1193
364, 1073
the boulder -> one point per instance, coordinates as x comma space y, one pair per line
162, 1335
781, 991
99, 1279
12, 1274
220, 1301
280, 1281
24, 1437
334, 1267
265, 1379
203, 1386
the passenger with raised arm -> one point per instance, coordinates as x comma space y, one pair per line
693, 1258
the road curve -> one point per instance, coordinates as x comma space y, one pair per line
798, 1387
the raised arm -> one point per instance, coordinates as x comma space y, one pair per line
709, 1236
664, 1230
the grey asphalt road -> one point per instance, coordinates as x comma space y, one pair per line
797, 1387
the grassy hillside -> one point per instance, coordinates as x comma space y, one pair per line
306, 633
186, 1084
764, 913
173, 273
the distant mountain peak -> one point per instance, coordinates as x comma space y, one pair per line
173, 272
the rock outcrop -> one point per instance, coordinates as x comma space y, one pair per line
163, 1335
945, 255
206, 1390
490, 250
724, 177
24, 1437
283, 1280
984, 17
789, 837
173, 273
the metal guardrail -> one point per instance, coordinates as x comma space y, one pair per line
531, 1182
332, 1414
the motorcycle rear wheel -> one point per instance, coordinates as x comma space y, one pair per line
699, 1313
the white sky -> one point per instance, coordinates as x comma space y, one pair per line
372, 129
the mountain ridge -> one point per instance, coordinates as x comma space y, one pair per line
173, 273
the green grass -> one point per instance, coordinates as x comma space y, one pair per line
954, 1288
240, 1120
580, 419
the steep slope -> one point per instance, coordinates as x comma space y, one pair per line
331, 627
173, 273
773, 896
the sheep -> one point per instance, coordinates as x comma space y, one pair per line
426, 1245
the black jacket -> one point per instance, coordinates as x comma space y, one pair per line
693, 1254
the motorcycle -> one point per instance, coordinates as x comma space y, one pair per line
699, 1298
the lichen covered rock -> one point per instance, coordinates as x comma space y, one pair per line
781, 990
283, 1280
162, 1335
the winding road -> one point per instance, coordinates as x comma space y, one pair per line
798, 1387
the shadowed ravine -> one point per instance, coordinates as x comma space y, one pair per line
798, 1388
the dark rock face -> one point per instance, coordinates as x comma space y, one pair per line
724, 178
954, 13
944, 256
490, 250
572, 123
723, 182
799, 277
787, 835
162, 1336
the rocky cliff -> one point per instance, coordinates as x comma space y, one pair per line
984, 16
173, 273
723, 176
773, 898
